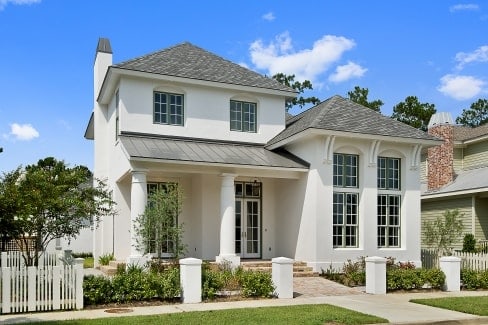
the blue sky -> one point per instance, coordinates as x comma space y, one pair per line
435, 50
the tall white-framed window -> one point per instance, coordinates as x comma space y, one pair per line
345, 218
243, 116
389, 202
168, 108
117, 99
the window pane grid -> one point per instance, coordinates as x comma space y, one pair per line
388, 220
242, 116
345, 220
345, 170
168, 108
388, 173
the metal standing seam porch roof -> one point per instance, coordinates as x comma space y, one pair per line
207, 151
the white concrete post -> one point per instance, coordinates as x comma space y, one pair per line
451, 266
228, 222
191, 280
376, 275
31, 288
282, 276
6, 278
138, 200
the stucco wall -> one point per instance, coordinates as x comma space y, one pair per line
206, 110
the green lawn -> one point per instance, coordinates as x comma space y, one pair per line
302, 314
88, 263
469, 305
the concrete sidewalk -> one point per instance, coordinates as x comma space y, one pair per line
394, 307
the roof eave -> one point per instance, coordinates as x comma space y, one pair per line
90, 128
453, 193
114, 73
313, 131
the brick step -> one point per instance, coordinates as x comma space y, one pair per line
300, 269
111, 268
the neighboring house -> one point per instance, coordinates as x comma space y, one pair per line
455, 175
336, 182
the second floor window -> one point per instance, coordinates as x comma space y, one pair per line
345, 170
388, 173
168, 108
242, 116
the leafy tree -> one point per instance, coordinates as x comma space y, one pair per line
157, 228
49, 200
476, 115
443, 232
289, 80
414, 113
360, 95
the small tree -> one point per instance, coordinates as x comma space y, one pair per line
469, 243
157, 229
443, 232
49, 200
360, 95
476, 115
289, 80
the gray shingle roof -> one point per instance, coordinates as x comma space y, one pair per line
340, 114
472, 179
189, 61
463, 133
205, 151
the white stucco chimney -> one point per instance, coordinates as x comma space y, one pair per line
103, 59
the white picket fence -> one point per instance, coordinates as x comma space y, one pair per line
43, 288
15, 259
474, 261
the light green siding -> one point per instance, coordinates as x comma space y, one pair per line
476, 155
423, 168
481, 223
458, 160
433, 208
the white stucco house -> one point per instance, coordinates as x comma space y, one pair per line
336, 182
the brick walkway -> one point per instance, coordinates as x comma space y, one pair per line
319, 287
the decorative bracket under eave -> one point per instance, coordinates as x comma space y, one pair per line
415, 156
329, 149
373, 152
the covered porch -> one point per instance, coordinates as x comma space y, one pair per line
231, 197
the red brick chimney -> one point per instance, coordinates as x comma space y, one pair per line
440, 159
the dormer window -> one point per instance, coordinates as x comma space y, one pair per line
168, 108
242, 116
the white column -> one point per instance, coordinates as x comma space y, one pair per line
228, 222
138, 200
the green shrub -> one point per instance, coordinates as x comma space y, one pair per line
469, 243
97, 290
256, 284
434, 277
81, 255
133, 284
469, 279
105, 259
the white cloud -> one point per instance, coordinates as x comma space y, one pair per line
460, 87
269, 16
4, 3
279, 56
478, 55
24, 132
346, 72
463, 7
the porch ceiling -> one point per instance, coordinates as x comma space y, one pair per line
201, 151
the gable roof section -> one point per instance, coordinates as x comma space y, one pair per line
189, 61
343, 115
141, 146
469, 181
464, 133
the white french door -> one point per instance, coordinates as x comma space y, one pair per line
248, 228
